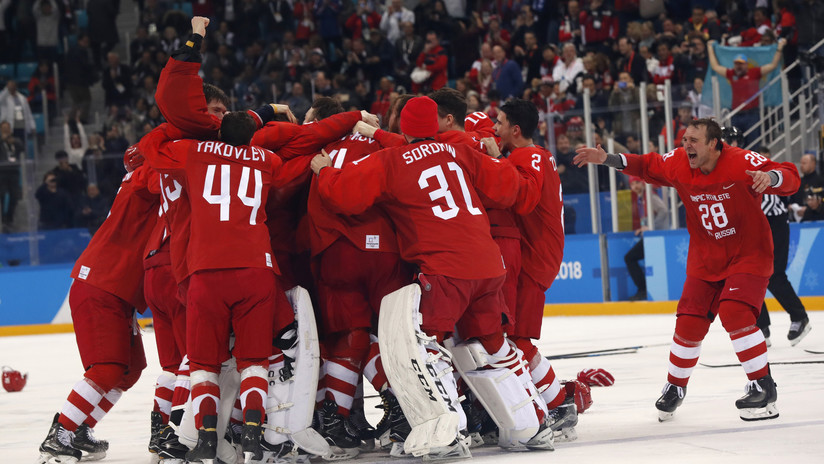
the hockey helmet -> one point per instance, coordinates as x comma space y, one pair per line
732, 136
133, 158
13, 380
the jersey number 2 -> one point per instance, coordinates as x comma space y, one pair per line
224, 197
443, 191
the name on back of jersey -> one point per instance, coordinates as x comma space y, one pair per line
426, 149
229, 151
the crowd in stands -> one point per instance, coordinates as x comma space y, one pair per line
365, 52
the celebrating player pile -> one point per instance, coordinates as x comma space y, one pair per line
730, 254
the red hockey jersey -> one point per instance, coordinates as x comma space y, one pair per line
428, 190
728, 232
113, 260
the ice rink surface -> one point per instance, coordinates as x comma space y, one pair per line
621, 426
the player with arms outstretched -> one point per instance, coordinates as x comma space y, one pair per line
730, 256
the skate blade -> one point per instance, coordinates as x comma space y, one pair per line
397, 451
755, 414
249, 457
337, 453
565, 435
172, 461
801, 336
46, 458
459, 450
367, 445
476, 440
93, 456
664, 416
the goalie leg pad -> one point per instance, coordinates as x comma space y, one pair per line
293, 383
508, 397
420, 387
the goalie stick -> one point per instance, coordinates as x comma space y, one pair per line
605, 352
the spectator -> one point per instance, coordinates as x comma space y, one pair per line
630, 61
47, 17
103, 27
297, 101
148, 87
14, 108
75, 142
42, 79
395, 15
379, 57
664, 67
640, 223
11, 153
117, 81
699, 23
361, 21
568, 68
495, 35
433, 59
326, 13
570, 30
679, 123
55, 204
625, 95
813, 206
811, 181
170, 40
407, 49
529, 57
745, 83
115, 143
695, 96
80, 74
810, 24
524, 23
69, 176
598, 98
440, 21
142, 42
91, 209
761, 24
279, 19
600, 27
304, 15
485, 52
152, 14
549, 59
573, 179
5, 39
507, 75
693, 64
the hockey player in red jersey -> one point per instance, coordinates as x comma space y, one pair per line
539, 215
232, 285
357, 264
107, 289
730, 256
428, 190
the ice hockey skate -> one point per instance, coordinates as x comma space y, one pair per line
205, 450
57, 447
251, 437
85, 441
364, 430
562, 421
798, 330
155, 428
672, 397
393, 426
339, 433
759, 401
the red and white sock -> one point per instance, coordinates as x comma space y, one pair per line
686, 347
341, 382
205, 395
373, 371
82, 400
104, 406
543, 375
751, 349
236, 420
164, 392
321, 394
253, 390
182, 391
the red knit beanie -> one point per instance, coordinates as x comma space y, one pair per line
419, 118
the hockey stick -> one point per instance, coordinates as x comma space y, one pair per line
777, 363
606, 352
814, 351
